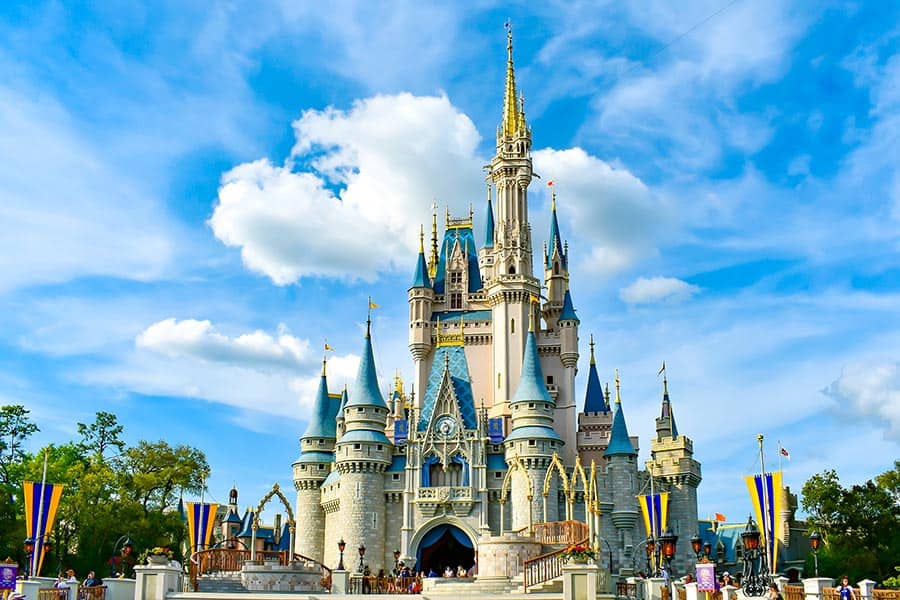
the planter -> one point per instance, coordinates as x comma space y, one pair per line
579, 560
157, 559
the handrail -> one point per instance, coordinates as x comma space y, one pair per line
218, 560
560, 532
307, 559
544, 567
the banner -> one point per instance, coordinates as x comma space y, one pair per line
495, 429
200, 518
41, 502
766, 497
660, 513
401, 431
706, 577
8, 573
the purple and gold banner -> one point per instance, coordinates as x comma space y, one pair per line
765, 495
41, 502
655, 509
201, 519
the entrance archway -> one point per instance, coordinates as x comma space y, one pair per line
445, 546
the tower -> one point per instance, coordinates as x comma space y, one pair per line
532, 440
556, 268
486, 253
672, 464
595, 418
311, 469
621, 466
513, 286
362, 455
421, 302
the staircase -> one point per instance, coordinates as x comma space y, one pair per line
544, 573
225, 583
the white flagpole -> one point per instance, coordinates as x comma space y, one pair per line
39, 542
201, 537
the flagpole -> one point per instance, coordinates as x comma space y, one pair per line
653, 521
780, 454
765, 504
39, 542
201, 534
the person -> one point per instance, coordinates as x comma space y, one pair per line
774, 594
449, 572
92, 580
70, 576
62, 586
726, 579
846, 590
461, 571
689, 578
432, 572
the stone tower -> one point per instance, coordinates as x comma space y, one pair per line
311, 469
532, 440
363, 454
673, 466
595, 418
621, 465
421, 301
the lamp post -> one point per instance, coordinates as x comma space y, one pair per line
650, 547
667, 542
610, 553
756, 579
127, 547
696, 545
815, 540
707, 550
341, 545
396, 562
362, 554
29, 553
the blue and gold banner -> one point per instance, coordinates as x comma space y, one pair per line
655, 521
41, 502
766, 497
495, 429
401, 430
201, 519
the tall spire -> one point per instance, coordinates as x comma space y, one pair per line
665, 424
555, 241
433, 259
421, 278
366, 391
593, 397
531, 382
619, 441
489, 222
513, 119
568, 310
321, 423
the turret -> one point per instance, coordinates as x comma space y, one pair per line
311, 469
665, 423
421, 304
556, 268
621, 464
532, 438
486, 252
595, 418
362, 455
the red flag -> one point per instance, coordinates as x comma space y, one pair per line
785, 453
550, 183
720, 517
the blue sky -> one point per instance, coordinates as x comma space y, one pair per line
193, 198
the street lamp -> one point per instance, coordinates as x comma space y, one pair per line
755, 581
650, 547
127, 547
696, 545
341, 545
362, 554
667, 542
815, 540
609, 551
396, 562
707, 550
29, 552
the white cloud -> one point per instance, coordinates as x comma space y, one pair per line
870, 390
657, 289
388, 157
198, 339
606, 206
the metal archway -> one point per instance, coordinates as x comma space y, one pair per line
275, 491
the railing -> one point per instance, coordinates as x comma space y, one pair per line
831, 593
682, 593
794, 592
545, 567
52, 594
560, 532
884, 594
664, 593
444, 493
626, 590
94, 592
226, 560
385, 585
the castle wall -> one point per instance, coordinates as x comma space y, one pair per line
362, 517
309, 538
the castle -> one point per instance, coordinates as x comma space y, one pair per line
491, 444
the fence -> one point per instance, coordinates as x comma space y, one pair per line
385, 585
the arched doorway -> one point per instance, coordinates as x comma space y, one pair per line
445, 546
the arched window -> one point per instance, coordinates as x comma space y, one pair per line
556, 268
512, 269
512, 325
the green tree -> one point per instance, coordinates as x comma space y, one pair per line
101, 435
15, 429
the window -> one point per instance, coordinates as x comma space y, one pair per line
360, 409
532, 442
512, 325
395, 476
321, 467
498, 475
456, 277
378, 447
549, 379
321, 442
556, 269
302, 467
512, 269
531, 405
455, 301
356, 446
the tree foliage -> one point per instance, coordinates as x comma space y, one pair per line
860, 524
111, 490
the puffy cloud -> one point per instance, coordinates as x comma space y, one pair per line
870, 390
198, 339
657, 289
358, 182
607, 206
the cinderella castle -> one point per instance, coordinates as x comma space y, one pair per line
491, 450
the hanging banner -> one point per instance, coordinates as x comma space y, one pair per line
766, 497
8, 574
655, 509
401, 431
200, 518
706, 577
41, 502
495, 429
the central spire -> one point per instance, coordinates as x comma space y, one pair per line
512, 116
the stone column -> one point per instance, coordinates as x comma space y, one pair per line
579, 582
653, 588
729, 592
340, 582
812, 587
154, 582
690, 591
865, 589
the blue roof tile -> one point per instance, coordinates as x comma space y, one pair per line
489, 225
496, 462
467, 240
594, 402
619, 442
365, 391
531, 382
321, 423
455, 358
568, 311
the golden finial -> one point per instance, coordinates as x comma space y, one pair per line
489, 191
510, 108
553, 199
323, 365
433, 259
665, 380
618, 399
421, 239
607, 393
447, 212
591, 344
398, 382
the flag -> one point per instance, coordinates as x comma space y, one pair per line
535, 299
550, 183
328, 348
720, 517
372, 304
662, 369
766, 497
201, 518
41, 502
655, 519
785, 453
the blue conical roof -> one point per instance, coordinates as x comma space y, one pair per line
365, 390
421, 278
531, 383
594, 402
321, 423
489, 226
619, 441
568, 311
555, 238
667, 409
